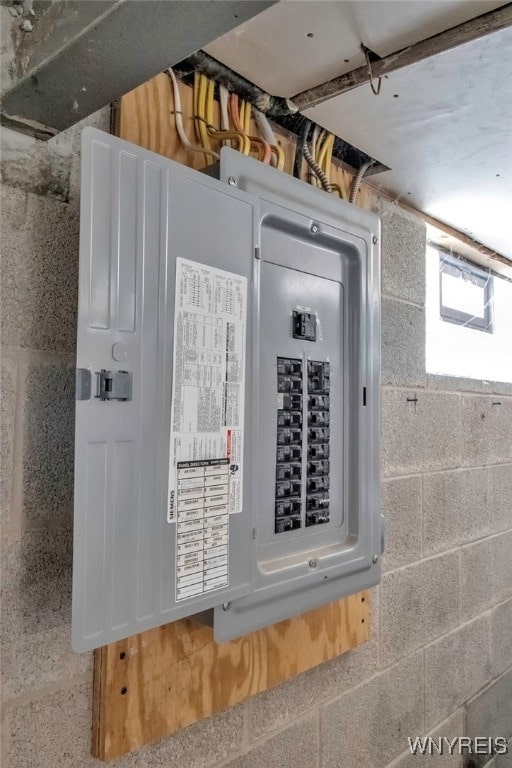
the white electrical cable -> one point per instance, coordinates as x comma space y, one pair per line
179, 120
264, 126
265, 129
224, 108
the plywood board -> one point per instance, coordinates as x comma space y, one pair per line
160, 681
155, 683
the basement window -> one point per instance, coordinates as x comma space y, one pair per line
468, 319
465, 294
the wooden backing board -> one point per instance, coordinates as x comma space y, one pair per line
155, 683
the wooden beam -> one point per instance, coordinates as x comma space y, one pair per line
425, 49
456, 234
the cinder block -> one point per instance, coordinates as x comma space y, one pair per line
502, 585
456, 667
502, 637
403, 253
36, 611
55, 730
48, 444
403, 343
200, 745
448, 729
274, 708
7, 415
505, 761
368, 726
296, 746
401, 507
418, 604
477, 578
486, 430
502, 387
39, 244
48, 168
456, 509
501, 496
420, 431
458, 384
486, 574
489, 713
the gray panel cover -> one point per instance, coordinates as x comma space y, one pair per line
139, 212
324, 253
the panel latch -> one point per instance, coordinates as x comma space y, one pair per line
113, 385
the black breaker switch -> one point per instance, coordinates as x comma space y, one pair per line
304, 326
288, 491
318, 465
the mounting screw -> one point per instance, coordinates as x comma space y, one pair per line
375, 559
232, 181
226, 606
315, 228
375, 239
313, 563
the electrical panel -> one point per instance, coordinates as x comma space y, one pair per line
227, 419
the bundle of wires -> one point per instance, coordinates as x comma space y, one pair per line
205, 130
235, 122
178, 116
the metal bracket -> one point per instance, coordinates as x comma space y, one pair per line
113, 385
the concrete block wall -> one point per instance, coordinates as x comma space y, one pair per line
439, 660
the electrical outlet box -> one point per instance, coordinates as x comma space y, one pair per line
227, 415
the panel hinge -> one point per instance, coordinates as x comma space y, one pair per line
83, 384
257, 252
113, 385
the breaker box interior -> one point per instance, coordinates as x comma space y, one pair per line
227, 415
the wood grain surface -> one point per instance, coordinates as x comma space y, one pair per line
155, 683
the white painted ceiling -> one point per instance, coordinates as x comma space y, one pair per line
446, 135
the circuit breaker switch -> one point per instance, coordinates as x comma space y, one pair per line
288, 488
289, 418
290, 471
318, 451
289, 452
304, 326
319, 419
292, 401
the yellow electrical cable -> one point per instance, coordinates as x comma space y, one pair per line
246, 119
280, 158
206, 92
178, 118
201, 113
328, 155
237, 114
337, 188
195, 95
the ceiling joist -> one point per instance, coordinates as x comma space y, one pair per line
425, 49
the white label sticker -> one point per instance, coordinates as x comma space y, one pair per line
208, 388
202, 544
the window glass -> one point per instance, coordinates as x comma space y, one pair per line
468, 320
